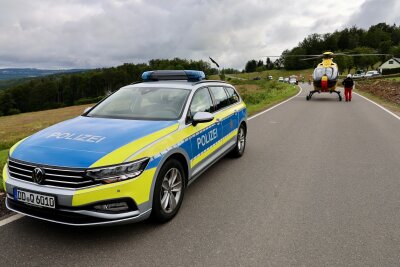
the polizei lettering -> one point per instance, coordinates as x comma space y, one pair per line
77, 137
204, 139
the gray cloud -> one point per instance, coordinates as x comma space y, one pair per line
82, 33
374, 11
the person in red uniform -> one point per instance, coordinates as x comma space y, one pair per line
348, 84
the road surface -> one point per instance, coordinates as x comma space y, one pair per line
319, 185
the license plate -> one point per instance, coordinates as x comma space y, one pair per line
35, 199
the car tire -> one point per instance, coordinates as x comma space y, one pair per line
240, 145
168, 191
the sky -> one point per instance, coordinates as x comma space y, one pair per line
98, 33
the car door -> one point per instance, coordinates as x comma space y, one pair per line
222, 111
233, 118
204, 135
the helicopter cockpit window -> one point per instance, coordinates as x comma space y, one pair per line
332, 73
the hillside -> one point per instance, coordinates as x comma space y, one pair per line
61, 90
17, 73
380, 38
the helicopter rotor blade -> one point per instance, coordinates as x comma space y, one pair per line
295, 56
311, 58
361, 55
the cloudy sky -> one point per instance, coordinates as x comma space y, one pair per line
100, 33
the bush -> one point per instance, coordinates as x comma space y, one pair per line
13, 111
88, 100
390, 71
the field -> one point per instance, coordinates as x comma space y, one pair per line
258, 95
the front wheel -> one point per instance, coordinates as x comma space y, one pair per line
240, 146
168, 191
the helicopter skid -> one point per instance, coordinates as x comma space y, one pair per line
310, 94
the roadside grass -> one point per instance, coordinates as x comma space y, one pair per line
387, 104
394, 79
258, 95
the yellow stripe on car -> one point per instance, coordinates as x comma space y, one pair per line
119, 155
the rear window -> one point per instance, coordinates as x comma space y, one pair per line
233, 97
220, 97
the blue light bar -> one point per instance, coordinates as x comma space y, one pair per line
195, 75
167, 75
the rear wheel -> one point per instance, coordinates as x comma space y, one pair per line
240, 146
168, 191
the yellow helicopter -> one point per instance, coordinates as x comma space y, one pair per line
325, 76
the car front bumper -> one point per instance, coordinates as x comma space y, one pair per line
75, 207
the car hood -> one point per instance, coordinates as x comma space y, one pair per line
81, 141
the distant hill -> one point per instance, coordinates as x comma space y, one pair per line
62, 89
17, 73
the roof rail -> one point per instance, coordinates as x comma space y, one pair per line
207, 81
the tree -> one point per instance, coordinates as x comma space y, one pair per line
292, 59
365, 61
251, 66
269, 64
7, 103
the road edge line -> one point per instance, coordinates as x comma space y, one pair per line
378, 105
11, 219
277, 105
19, 216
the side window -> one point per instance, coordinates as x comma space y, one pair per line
221, 99
232, 95
201, 102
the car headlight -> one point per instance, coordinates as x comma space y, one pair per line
116, 173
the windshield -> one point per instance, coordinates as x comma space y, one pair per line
142, 104
332, 73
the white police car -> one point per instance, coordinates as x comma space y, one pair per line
129, 157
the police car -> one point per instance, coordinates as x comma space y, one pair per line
129, 157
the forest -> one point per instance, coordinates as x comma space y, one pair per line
380, 38
63, 90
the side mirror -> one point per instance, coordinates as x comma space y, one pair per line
86, 110
201, 117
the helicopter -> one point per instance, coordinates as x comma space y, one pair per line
326, 74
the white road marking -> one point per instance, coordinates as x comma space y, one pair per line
277, 105
11, 219
376, 104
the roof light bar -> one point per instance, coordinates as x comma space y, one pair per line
166, 75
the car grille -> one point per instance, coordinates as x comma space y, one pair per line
54, 176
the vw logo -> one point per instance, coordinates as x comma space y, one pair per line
38, 175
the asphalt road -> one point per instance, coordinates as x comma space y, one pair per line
319, 185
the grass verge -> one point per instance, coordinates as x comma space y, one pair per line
260, 95
383, 102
